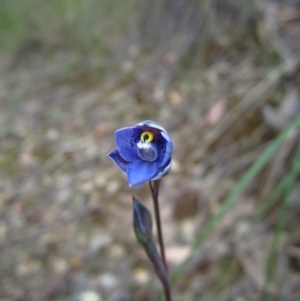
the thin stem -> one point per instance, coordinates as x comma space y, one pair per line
160, 269
167, 292
154, 187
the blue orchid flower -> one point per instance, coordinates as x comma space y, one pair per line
143, 152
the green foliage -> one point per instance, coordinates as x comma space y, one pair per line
33, 23
286, 188
245, 180
142, 222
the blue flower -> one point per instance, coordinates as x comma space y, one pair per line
143, 152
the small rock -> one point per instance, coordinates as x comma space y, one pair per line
142, 277
52, 134
112, 186
117, 251
89, 296
177, 254
188, 227
108, 282
97, 244
60, 265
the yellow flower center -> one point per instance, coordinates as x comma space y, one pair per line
147, 137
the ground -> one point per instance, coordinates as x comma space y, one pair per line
66, 209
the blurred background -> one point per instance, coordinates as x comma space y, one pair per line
222, 76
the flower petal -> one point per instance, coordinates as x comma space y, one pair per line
163, 171
117, 159
126, 140
140, 172
165, 148
151, 124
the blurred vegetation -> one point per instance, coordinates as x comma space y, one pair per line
61, 23
197, 31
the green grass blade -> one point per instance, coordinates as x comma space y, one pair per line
289, 184
229, 200
272, 198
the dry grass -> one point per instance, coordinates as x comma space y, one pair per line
66, 225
